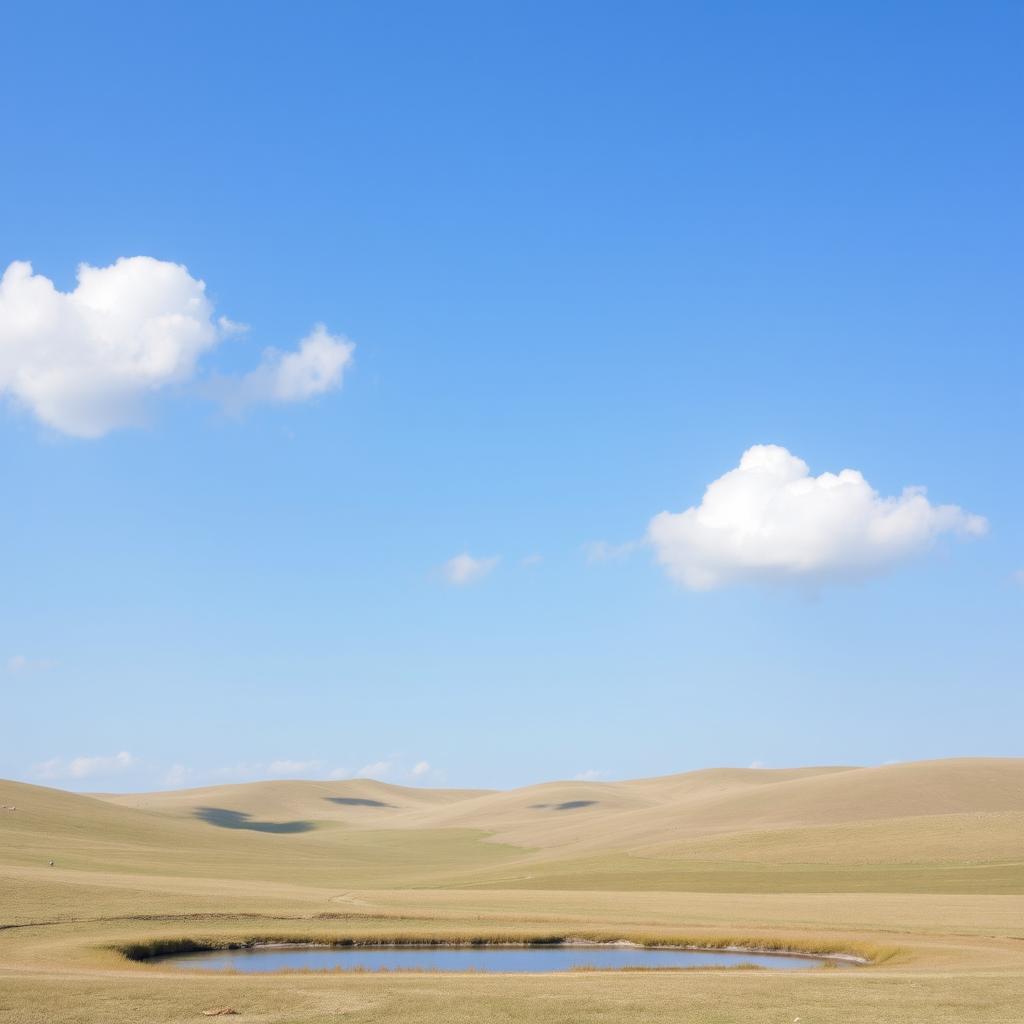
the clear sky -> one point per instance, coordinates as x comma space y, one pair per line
588, 254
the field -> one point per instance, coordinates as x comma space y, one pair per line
919, 867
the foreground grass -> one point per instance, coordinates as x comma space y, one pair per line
726, 997
928, 971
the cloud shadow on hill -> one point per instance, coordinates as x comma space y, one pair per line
357, 801
223, 818
568, 805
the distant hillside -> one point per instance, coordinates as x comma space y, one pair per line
954, 825
660, 812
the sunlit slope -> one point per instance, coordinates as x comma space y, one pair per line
669, 812
82, 833
945, 826
925, 839
864, 794
942, 826
664, 815
38, 823
548, 815
616, 815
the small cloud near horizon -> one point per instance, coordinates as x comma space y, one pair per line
85, 767
375, 770
146, 774
396, 769
590, 775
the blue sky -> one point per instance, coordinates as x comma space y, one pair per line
588, 254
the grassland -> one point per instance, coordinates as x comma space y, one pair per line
918, 866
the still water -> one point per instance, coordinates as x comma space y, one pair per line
494, 959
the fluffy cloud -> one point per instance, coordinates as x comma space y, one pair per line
770, 520
317, 366
419, 769
86, 767
590, 775
85, 361
464, 569
82, 361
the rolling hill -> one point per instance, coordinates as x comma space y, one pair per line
949, 825
918, 865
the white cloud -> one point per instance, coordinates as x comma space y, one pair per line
769, 520
375, 770
394, 767
464, 569
590, 775
531, 560
85, 361
82, 361
85, 767
317, 366
229, 327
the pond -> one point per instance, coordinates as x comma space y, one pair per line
492, 959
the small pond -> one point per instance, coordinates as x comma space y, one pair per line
492, 959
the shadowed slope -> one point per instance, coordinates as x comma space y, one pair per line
238, 819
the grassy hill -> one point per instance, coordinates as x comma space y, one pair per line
944, 826
922, 864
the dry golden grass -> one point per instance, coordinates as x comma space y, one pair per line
919, 866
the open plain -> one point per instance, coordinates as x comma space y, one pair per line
918, 867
